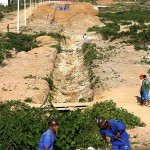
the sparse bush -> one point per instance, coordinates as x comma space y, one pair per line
50, 83
148, 71
28, 100
133, 29
82, 100
90, 53
107, 31
1, 57
30, 77
134, 14
19, 42
1, 15
7, 54
58, 48
145, 60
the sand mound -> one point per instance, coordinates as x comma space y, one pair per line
87, 21
74, 10
45, 40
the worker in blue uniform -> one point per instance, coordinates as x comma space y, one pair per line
48, 137
115, 129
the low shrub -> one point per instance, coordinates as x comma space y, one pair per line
21, 126
90, 53
18, 42
50, 82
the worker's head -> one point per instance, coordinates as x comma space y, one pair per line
141, 76
101, 122
144, 76
53, 124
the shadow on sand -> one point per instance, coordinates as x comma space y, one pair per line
138, 99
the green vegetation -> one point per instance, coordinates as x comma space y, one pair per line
28, 100
93, 53
4, 54
145, 60
58, 48
13, 7
50, 83
57, 36
30, 77
60, 38
7, 9
90, 53
1, 15
110, 29
21, 126
134, 14
137, 34
86, 100
19, 42
89, 1
23, 42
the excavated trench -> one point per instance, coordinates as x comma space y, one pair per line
70, 75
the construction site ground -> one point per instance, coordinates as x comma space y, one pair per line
120, 73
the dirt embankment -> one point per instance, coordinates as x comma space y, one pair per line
29, 68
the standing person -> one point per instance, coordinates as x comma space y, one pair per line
116, 131
145, 90
48, 137
141, 93
7, 27
84, 38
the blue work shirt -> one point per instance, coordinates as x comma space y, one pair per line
116, 126
47, 140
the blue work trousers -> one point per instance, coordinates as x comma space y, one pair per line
121, 147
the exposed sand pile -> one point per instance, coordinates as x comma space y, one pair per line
76, 13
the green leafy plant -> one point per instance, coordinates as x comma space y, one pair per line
1, 57
30, 123
90, 53
19, 42
28, 100
82, 100
50, 83
134, 14
58, 48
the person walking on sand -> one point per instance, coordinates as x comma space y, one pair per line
145, 90
7, 27
116, 130
84, 38
48, 137
141, 93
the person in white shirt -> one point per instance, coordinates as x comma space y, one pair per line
84, 38
141, 93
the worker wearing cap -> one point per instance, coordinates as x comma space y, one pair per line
116, 131
141, 92
145, 90
48, 137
